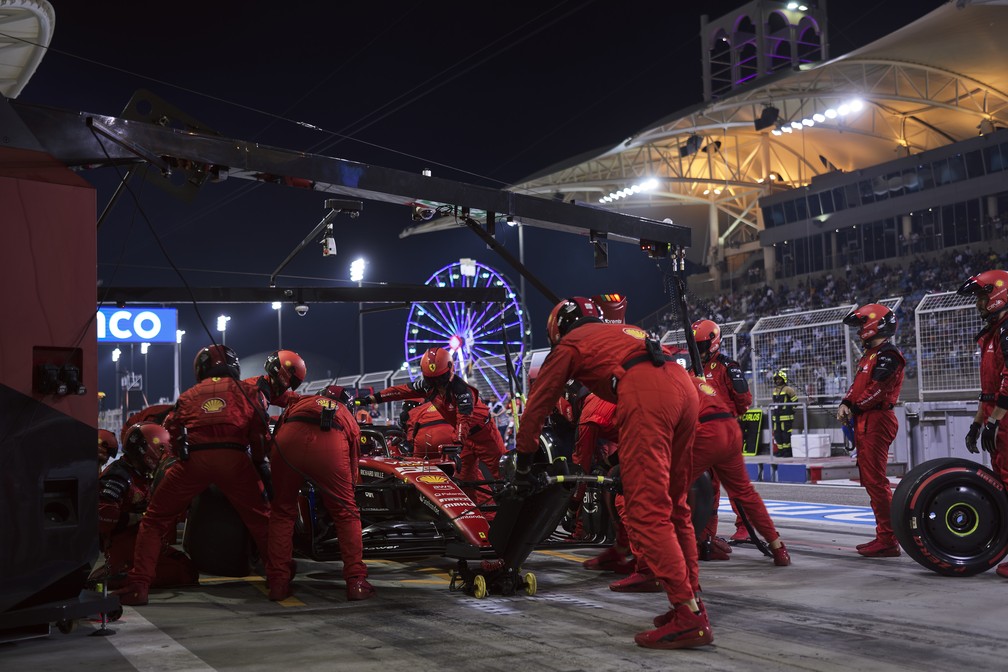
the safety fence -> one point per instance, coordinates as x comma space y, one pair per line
733, 342
947, 354
813, 347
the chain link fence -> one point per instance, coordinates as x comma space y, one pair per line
947, 354
733, 341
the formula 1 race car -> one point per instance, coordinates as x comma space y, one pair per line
413, 507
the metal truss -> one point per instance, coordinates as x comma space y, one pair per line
909, 108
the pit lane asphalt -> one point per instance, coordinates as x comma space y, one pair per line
831, 610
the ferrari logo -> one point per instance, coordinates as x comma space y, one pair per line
433, 478
214, 405
639, 334
432, 366
482, 535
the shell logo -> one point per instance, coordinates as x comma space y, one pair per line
214, 405
707, 389
639, 334
155, 440
433, 478
998, 283
325, 403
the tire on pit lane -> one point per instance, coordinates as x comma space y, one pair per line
951, 516
701, 501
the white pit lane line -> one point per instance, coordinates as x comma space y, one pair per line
149, 650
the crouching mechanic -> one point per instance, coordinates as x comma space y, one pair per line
213, 426
459, 404
123, 495
317, 440
988, 428
869, 403
108, 447
656, 412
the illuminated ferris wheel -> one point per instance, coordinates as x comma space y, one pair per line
474, 334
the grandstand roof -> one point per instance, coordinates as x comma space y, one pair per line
938, 80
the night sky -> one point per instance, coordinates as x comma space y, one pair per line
479, 92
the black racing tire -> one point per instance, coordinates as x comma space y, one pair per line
701, 501
215, 536
951, 516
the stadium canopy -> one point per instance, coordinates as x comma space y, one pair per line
937, 81
26, 27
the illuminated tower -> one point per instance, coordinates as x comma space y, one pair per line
759, 39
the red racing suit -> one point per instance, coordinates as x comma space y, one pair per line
597, 434
328, 457
265, 387
427, 431
224, 418
460, 405
871, 397
716, 446
123, 495
656, 412
725, 375
993, 343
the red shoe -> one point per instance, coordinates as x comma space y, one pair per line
1002, 570
610, 560
133, 595
663, 619
781, 557
740, 537
879, 549
637, 583
684, 630
358, 588
280, 591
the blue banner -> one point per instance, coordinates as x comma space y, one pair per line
137, 325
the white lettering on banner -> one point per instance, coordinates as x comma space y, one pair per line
122, 324
114, 327
146, 317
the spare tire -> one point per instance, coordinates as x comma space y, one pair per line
215, 537
951, 516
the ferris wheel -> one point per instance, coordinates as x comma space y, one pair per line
474, 334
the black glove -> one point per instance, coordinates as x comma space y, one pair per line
972, 436
523, 463
364, 401
988, 437
266, 476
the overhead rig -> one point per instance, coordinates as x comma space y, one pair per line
173, 142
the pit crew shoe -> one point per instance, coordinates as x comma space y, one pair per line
740, 537
664, 619
358, 588
638, 582
684, 630
879, 549
781, 557
280, 591
1002, 570
611, 560
133, 595
714, 548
